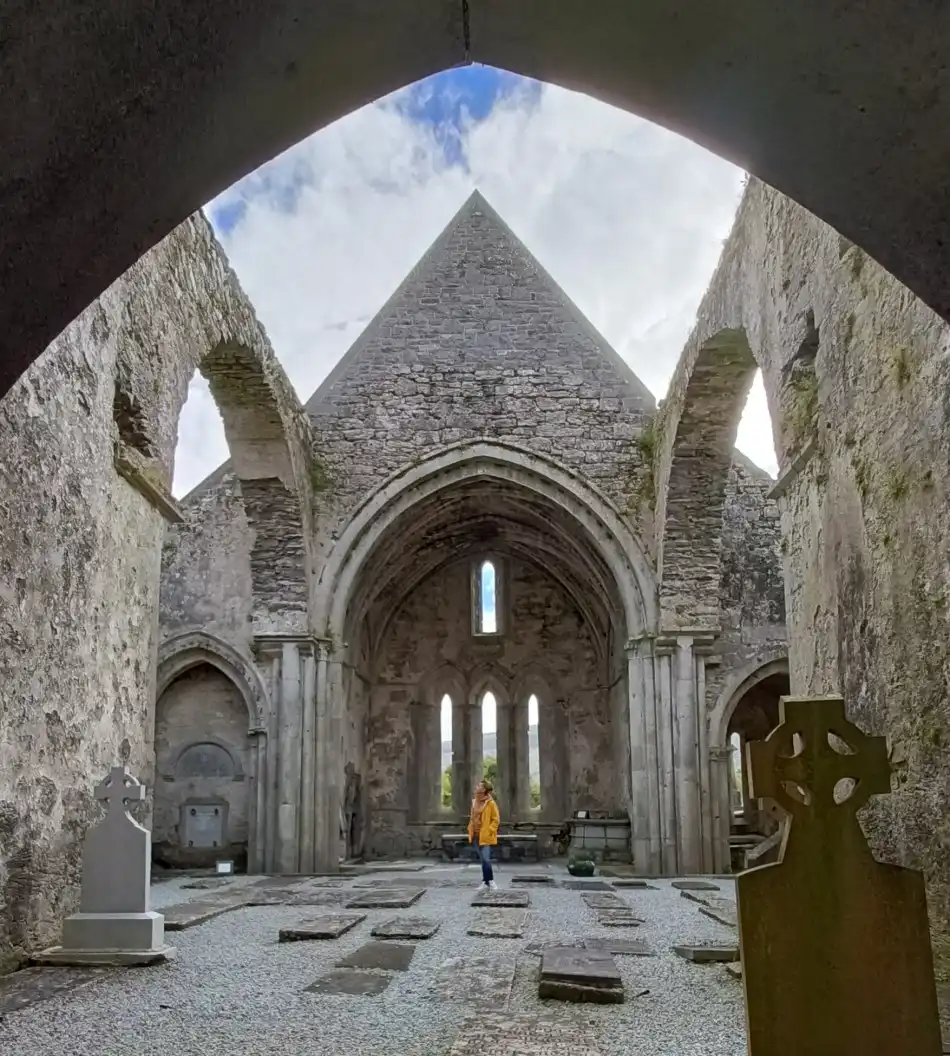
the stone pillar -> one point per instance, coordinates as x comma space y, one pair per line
645, 831
257, 805
308, 746
466, 754
425, 793
720, 765
520, 762
506, 785
663, 649
327, 789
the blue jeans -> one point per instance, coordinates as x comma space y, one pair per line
484, 856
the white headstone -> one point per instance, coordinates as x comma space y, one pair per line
114, 924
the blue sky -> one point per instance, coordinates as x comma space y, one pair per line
627, 217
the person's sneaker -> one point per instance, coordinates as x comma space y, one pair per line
492, 886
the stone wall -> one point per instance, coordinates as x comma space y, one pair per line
432, 632
201, 759
80, 548
856, 372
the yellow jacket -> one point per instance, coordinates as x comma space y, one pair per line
488, 829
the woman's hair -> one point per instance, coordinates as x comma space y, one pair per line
487, 785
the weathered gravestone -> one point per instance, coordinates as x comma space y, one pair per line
570, 974
835, 946
114, 924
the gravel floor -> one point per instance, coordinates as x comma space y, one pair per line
235, 989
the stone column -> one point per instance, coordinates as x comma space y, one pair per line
466, 755
521, 764
663, 648
257, 810
425, 793
506, 785
328, 776
287, 658
308, 745
720, 763
645, 831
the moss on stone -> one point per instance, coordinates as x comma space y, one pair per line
320, 477
901, 363
802, 409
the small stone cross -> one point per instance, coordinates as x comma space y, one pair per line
817, 767
118, 789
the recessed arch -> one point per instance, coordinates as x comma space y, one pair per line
483, 460
736, 687
180, 654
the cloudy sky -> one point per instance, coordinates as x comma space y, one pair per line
627, 217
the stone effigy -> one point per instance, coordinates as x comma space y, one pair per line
835, 946
114, 924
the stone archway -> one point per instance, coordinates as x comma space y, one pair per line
767, 678
745, 81
210, 754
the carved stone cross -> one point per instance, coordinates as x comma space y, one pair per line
835, 946
118, 789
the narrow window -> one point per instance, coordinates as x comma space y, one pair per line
446, 763
735, 743
534, 754
486, 599
489, 738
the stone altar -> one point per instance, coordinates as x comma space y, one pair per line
114, 925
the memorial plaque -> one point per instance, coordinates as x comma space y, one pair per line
203, 825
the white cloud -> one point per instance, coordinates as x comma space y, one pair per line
628, 218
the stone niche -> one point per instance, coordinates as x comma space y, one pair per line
201, 788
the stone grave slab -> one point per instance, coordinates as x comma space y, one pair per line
328, 927
618, 918
382, 956
498, 924
835, 945
694, 885
708, 954
585, 885
389, 898
502, 899
275, 881
723, 912
348, 981
735, 970
33, 985
569, 974
620, 947
536, 949
532, 878
473, 979
604, 901
639, 885
207, 883
406, 928
184, 915
522, 1034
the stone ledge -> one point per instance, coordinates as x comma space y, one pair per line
798, 463
133, 467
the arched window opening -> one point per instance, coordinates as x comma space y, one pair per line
446, 759
490, 737
735, 743
485, 598
534, 753
201, 445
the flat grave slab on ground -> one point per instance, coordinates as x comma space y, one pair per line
383, 956
585, 885
536, 949
207, 883
708, 954
694, 885
522, 1034
304, 897
347, 981
570, 974
604, 901
629, 882
33, 985
618, 918
620, 947
502, 899
391, 898
532, 878
185, 915
498, 923
473, 980
406, 928
328, 927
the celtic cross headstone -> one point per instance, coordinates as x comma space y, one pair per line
114, 924
836, 957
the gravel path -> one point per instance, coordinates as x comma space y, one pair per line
235, 989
